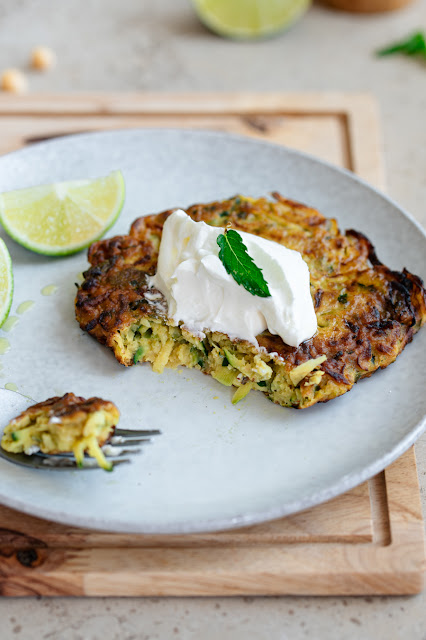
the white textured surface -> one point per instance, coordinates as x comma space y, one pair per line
137, 44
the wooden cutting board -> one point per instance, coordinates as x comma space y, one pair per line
368, 541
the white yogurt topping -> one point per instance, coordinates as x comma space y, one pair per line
203, 296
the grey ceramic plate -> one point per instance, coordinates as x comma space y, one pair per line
215, 466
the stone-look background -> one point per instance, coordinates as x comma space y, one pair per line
159, 45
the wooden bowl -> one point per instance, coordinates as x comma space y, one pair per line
368, 6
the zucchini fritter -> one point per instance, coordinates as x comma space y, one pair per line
67, 424
366, 312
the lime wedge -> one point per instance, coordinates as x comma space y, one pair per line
249, 18
65, 217
6, 282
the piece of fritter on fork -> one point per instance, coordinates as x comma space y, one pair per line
366, 312
67, 424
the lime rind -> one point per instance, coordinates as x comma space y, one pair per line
29, 229
249, 19
6, 282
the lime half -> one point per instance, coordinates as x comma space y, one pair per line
249, 18
65, 217
6, 282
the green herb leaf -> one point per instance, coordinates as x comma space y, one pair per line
343, 298
240, 265
415, 45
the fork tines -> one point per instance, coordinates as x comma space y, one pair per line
136, 433
124, 442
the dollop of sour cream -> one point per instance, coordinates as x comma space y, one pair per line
203, 296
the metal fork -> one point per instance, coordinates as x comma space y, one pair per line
123, 443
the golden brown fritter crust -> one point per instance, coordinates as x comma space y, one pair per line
66, 410
366, 312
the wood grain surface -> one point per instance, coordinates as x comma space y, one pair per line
367, 541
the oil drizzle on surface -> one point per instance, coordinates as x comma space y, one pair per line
4, 346
11, 386
25, 306
10, 323
49, 290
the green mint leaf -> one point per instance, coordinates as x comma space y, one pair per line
240, 265
412, 46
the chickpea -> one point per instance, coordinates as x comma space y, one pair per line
42, 58
14, 81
